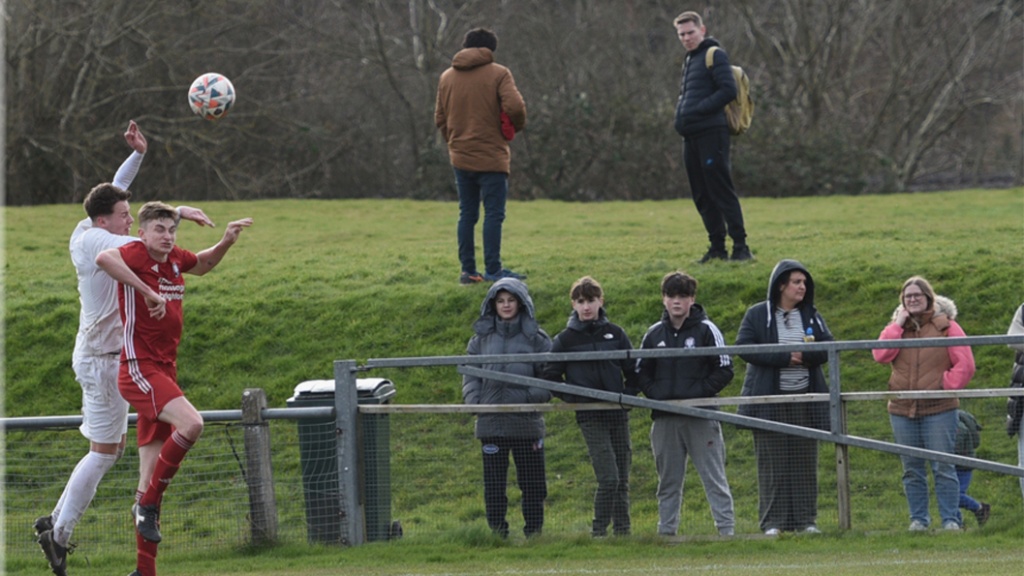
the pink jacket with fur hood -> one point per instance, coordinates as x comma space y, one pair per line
949, 368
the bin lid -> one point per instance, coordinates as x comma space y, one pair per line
380, 389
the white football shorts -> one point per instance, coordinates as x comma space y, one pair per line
104, 411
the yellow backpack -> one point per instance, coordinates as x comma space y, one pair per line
739, 112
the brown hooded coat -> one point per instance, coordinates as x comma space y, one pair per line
470, 98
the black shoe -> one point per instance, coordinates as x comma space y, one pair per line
714, 254
982, 514
56, 554
147, 521
42, 524
470, 278
135, 573
741, 253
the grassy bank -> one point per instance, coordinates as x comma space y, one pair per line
316, 281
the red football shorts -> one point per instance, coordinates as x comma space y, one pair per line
148, 386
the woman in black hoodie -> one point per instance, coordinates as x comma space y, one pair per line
787, 466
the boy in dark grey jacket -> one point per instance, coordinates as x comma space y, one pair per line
674, 437
606, 432
507, 325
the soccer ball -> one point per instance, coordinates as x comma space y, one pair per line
211, 96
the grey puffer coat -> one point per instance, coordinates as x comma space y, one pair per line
495, 336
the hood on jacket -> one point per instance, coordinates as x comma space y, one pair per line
781, 268
469, 58
489, 314
942, 305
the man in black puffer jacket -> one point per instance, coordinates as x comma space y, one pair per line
700, 119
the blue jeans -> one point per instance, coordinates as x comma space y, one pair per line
966, 502
492, 188
938, 433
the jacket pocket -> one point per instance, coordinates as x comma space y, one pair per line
679, 124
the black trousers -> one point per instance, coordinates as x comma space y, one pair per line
787, 472
709, 170
529, 457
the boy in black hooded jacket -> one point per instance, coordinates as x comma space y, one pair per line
605, 431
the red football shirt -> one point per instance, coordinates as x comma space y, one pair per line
146, 338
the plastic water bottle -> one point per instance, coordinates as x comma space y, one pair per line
809, 337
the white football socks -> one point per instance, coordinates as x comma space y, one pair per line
79, 492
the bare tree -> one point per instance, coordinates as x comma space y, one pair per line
335, 98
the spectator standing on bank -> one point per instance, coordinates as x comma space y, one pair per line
787, 465
968, 439
674, 437
477, 101
922, 423
700, 120
606, 432
507, 325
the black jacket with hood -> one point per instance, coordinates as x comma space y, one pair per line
495, 336
759, 327
684, 377
618, 376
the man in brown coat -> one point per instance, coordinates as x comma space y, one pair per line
475, 97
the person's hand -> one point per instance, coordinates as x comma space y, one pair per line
156, 305
196, 215
134, 137
234, 229
901, 316
796, 358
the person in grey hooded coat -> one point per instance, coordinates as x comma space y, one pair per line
507, 325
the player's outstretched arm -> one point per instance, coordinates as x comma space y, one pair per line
196, 215
111, 262
212, 256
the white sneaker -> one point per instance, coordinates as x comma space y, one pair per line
726, 532
951, 525
772, 532
918, 526
812, 529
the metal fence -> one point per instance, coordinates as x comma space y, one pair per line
348, 472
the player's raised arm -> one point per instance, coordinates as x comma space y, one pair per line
212, 256
130, 168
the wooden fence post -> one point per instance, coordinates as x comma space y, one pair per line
258, 469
